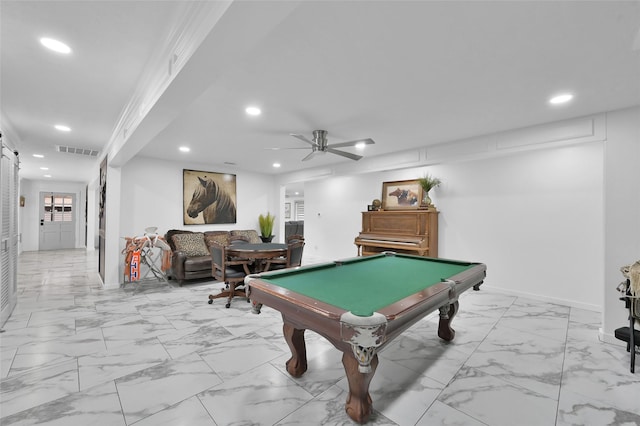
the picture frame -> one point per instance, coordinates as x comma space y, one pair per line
287, 210
208, 197
401, 195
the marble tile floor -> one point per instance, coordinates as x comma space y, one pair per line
154, 354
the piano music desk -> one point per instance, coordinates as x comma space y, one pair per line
329, 299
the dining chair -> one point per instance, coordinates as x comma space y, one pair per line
292, 259
294, 238
230, 272
238, 239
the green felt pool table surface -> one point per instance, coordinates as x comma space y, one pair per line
365, 285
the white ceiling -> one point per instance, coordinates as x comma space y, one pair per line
407, 74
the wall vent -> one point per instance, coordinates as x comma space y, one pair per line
79, 151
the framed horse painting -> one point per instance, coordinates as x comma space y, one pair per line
208, 197
401, 195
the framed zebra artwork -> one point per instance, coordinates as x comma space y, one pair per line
208, 197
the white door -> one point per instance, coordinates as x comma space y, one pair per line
57, 221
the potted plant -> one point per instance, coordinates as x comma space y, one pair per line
266, 227
427, 182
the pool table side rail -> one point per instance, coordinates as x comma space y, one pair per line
275, 296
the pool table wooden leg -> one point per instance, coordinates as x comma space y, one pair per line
359, 404
445, 332
297, 364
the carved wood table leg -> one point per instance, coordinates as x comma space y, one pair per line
297, 364
359, 404
445, 332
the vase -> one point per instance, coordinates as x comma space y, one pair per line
426, 200
267, 239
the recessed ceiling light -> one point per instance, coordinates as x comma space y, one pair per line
47, 176
184, 149
38, 155
55, 45
276, 165
561, 99
44, 168
253, 110
62, 128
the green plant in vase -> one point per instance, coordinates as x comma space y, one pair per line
266, 226
427, 182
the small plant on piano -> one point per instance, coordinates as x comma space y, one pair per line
428, 182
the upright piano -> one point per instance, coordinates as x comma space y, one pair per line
403, 231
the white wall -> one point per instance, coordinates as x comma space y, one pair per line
622, 210
30, 213
533, 217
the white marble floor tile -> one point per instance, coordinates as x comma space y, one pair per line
550, 324
53, 316
324, 368
443, 415
248, 322
260, 396
521, 358
33, 388
496, 402
154, 389
576, 410
197, 315
135, 328
24, 336
235, 357
400, 394
117, 362
181, 342
15, 321
429, 356
35, 355
601, 372
584, 331
189, 412
328, 409
586, 317
98, 406
6, 359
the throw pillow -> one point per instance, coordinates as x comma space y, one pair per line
221, 238
191, 244
251, 234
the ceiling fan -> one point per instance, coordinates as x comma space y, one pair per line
319, 145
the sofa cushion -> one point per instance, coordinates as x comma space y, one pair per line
191, 244
199, 263
251, 234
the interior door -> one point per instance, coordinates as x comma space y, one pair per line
57, 221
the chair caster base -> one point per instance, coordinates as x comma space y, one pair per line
228, 305
210, 301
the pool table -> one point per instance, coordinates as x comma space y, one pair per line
360, 305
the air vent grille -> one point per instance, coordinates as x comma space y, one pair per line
79, 151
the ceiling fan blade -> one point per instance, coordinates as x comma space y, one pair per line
344, 154
311, 155
303, 139
367, 141
279, 149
